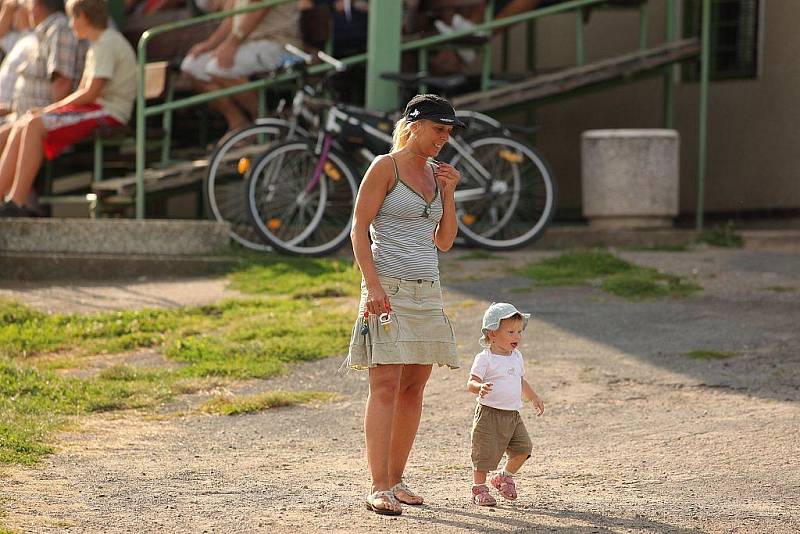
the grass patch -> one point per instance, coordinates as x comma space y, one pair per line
479, 255
235, 339
263, 401
781, 289
614, 274
281, 275
705, 354
722, 236
667, 247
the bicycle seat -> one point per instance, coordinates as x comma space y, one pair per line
415, 79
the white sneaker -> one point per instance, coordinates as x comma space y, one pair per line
462, 23
442, 27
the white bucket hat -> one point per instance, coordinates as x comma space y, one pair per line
496, 313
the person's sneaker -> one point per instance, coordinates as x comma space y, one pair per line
463, 23
481, 497
11, 209
441, 26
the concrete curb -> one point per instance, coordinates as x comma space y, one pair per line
114, 236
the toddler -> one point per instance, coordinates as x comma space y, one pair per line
497, 377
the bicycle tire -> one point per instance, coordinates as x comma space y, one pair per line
223, 186
515, 206
291, 218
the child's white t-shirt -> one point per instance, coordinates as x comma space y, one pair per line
505, 373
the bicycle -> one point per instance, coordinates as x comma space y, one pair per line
233, 154
301, 193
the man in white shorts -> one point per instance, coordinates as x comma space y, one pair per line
241, 46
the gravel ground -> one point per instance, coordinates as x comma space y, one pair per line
636, 436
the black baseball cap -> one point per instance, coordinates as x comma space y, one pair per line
433, 108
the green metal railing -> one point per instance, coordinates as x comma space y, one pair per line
422, 45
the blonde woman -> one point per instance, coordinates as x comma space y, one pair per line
405, 206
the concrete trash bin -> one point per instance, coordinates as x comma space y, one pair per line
630, 177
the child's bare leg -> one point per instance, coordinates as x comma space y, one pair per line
478, 477
29, 160
515, 462
8, 160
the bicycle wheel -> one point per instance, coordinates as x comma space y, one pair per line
223, 187
506, 195
478, 123
292, 212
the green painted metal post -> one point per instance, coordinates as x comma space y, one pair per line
166, 125
644, 26
580, 56
383, 51
703, 119
422, 66
140, 125
97, 175
670, 78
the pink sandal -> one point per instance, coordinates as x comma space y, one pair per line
481, 497
505, 485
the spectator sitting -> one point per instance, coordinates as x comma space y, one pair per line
24, 45
52, 69
242, 45
105, 97
13, 24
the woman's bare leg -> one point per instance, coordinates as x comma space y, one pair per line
406, 421
384, 384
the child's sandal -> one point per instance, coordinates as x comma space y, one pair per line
401, 487
378, 497
481, 497
505, 485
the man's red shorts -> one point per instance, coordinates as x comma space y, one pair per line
69, 124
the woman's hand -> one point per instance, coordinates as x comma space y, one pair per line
377, 300
448, 177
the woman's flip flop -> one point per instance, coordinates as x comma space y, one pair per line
378, 497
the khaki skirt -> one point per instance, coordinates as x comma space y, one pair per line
419, 332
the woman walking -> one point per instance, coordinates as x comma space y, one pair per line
405, 205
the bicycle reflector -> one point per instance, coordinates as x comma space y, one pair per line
332, 172
467, 219
274, 224
243, 166
510, 156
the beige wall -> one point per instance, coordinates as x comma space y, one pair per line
754, 125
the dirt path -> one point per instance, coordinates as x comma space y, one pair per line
636, 438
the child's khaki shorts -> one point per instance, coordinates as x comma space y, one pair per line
494, 432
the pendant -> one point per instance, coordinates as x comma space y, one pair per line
427, 211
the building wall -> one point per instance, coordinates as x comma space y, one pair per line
754, 125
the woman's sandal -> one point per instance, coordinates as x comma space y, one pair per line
384, 498
416, 500
481, 497
505, 485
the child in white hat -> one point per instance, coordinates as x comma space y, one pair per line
497, 376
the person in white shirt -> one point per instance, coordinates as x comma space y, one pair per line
497, 377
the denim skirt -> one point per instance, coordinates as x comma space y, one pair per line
419, 331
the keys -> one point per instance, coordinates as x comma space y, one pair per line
365, 326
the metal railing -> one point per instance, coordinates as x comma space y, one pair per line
143, 111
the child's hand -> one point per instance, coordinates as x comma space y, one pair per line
486, 388
538, 405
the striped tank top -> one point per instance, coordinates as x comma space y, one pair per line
402, 233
